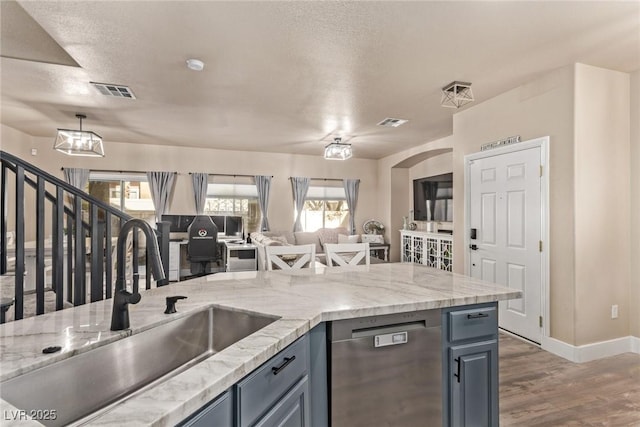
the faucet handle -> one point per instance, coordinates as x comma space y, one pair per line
171, 303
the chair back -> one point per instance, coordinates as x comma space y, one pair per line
203, 240
345, 254
290, 257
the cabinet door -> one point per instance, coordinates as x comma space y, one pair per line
290, 411
473, 375
418, 250
219, 413
407, 248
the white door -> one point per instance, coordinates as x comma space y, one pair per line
505, 211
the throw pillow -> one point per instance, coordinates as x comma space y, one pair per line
343, 238
271, 242
281, 239
307, 238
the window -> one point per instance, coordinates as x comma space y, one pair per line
128, 192
325, 207
240, 199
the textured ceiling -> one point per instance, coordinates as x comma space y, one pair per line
289, 76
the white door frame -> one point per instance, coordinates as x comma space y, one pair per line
543, 143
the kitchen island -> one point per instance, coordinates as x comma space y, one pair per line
299, 300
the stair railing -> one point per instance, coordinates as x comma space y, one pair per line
71, 235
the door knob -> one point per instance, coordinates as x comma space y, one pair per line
473, 247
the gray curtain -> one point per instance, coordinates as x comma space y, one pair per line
351, 187
300, 187
161, 186
77, 177
263, 185
200, 182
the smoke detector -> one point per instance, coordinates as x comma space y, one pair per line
195, 64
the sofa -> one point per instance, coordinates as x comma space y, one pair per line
284, 238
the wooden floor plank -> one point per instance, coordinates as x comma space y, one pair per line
538, 388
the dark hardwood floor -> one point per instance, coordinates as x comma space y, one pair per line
538, 388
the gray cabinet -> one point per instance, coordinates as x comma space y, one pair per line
470, 349
264, 390
218, 413
292, 410
289, 390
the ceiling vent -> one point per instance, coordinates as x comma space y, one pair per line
117, 91
392, 123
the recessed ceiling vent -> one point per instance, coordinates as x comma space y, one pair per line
118, 91
392, 123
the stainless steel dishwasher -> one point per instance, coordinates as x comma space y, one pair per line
387, 370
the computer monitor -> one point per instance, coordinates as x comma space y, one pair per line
174, 220
179, 223
233, 226
218, 220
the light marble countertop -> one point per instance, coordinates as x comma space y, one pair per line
300, 299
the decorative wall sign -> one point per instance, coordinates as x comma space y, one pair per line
499, 143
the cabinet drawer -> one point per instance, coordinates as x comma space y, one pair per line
261, 389
473, 323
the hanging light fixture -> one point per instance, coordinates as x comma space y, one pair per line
338, 150
79, 142
456, 94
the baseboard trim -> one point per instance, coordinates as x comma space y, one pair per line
593, 351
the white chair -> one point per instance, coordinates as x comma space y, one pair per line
345, 254
290, 257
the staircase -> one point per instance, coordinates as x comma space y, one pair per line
73, 266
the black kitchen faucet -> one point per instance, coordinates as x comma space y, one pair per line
122, 298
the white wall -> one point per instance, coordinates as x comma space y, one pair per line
602, 203
137, 157
634, 291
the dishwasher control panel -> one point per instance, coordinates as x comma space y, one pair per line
390, 339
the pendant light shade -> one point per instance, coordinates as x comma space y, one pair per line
338, 150
79, 142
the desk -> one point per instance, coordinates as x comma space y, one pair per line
235, 257
375, 249
240, 257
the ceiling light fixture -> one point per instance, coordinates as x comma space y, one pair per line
79, 142
338, 150
456, 94
195, 64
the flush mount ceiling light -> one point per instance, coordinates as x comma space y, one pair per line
456, 94
79, 142
338, 150
195, 64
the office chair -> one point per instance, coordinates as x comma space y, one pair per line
202, 247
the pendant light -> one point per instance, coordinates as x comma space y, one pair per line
79, 142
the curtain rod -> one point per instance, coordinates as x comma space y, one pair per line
321, 179
117, 171
231, 174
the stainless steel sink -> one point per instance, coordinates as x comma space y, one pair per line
81, 385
